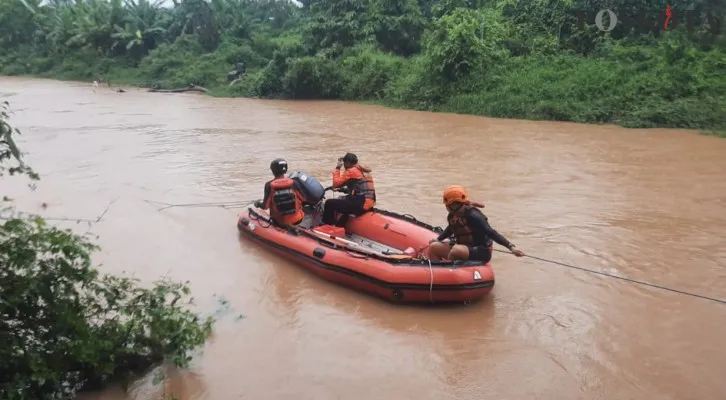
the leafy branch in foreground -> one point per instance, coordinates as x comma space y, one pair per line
64, 326
9, 152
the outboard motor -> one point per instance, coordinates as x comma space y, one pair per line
310, 188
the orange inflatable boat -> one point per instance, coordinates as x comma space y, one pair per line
376, 253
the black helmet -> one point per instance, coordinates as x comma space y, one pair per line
278, 166
350, 158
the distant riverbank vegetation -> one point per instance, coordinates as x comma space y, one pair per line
529, 59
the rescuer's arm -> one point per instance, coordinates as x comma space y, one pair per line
478, 222
445, 234
266, 199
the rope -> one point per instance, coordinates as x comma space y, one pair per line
90, 221
259, 220
228, 204
623, 278
431, 285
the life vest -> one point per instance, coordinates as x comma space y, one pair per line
285, 200
364, 187
460, 227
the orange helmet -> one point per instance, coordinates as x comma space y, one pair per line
455, 193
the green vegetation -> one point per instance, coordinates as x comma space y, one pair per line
63, 325
504, 58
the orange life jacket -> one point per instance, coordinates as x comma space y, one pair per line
364, 187
460, 226
286, 202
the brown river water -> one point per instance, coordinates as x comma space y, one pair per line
646, 204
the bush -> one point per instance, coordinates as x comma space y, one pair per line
312, 78
65, 326
366, 72
503, 58
416, 86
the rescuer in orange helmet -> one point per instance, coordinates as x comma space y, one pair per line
470, 228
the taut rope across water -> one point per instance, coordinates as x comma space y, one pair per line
700, 296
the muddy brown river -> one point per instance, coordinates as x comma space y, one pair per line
646, 204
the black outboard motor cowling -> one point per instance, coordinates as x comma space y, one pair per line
311, 189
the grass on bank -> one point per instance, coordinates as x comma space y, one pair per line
666, 84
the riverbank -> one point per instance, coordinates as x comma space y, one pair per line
559, 88
479, 61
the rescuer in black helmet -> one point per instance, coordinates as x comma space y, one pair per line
278, 167
282, 197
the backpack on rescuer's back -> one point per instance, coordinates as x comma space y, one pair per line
309, 187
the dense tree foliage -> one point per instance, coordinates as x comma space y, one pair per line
64, 325
535, 59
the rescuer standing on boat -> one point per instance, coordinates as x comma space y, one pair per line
282, 197
469, 227
358, 182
